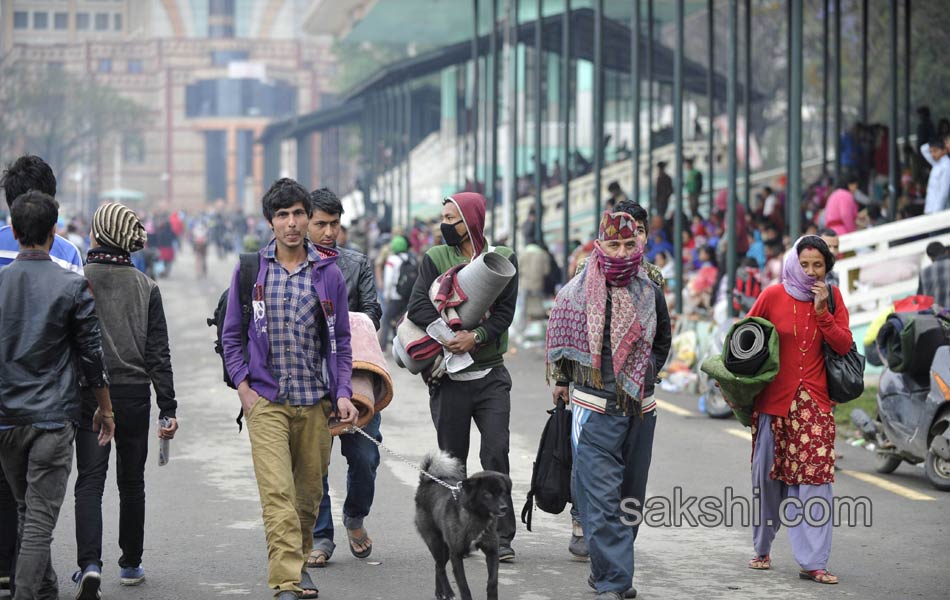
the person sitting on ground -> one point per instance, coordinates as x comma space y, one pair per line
841, 209
773, 262
617, 194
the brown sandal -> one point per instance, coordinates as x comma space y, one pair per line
819, 576
761, 563
317, 560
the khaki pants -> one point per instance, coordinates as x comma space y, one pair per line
290, 446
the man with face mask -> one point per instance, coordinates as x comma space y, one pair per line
608, 334
481, 392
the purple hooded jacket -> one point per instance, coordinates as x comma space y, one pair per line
335, 348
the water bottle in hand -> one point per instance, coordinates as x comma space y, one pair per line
163, 443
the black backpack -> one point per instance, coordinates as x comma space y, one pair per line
408, 272
249, 268
551, 476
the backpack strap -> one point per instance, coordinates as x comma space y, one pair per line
248, 270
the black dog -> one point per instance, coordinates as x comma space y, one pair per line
450, 524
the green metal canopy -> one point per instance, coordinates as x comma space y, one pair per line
431, 23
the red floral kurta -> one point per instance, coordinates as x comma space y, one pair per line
804, 443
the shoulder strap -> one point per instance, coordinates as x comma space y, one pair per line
249, 269
831, 298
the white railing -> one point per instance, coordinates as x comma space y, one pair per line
897, 244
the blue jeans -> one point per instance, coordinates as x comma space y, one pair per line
611, 461
362, 459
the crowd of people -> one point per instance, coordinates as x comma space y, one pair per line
287, 349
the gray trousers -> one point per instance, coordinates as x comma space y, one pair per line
36, 464
612, 457
811, 544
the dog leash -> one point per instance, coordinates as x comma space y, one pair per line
452, 488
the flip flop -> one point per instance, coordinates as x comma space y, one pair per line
819, 576
318, 559
309, 588
761, 563
359, 541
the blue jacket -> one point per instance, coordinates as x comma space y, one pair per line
334, 330
63, 252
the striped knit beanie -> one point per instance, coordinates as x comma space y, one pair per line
117, 226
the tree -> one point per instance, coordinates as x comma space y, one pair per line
60, 116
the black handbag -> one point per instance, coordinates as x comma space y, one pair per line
845, 371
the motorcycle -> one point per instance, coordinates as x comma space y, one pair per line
913, 421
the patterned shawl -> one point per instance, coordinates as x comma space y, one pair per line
575, 333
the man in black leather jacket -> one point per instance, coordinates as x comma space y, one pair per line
357, 268
51, 337
362, 456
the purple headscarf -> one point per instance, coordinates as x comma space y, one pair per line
797, 283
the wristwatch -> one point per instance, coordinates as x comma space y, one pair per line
478, 337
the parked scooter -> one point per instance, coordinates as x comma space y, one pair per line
913, 421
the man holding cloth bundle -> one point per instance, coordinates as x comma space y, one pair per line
481, 392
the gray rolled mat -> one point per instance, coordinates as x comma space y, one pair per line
748, 349
747, 341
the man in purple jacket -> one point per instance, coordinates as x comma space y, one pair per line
294, 375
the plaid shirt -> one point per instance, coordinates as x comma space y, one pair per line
293, 331
935, 281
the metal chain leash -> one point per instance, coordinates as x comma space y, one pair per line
452, 488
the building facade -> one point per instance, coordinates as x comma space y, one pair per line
211, 73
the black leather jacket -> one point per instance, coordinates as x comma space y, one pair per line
49, 334
360, 284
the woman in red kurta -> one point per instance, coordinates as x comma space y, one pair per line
793, 430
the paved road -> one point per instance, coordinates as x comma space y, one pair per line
205, 539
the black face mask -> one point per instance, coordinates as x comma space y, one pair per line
449, 235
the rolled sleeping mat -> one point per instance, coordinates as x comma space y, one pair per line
407, 362
748, 349
362, 403
369, 363
482, 280
416, 342
376, 385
